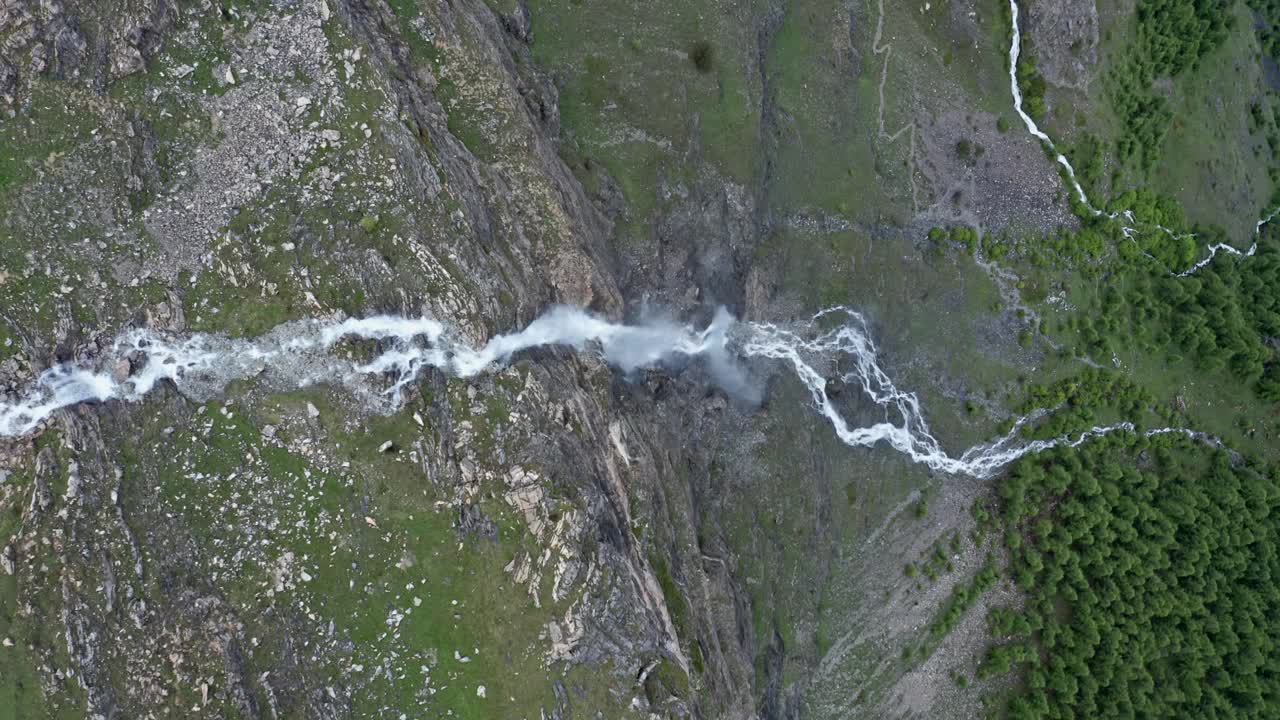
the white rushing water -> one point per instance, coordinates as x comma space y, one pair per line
303, 353
300, 354
904, 428
1015, 50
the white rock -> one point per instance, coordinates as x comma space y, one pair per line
120, 371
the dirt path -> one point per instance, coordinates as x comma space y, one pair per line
910, 128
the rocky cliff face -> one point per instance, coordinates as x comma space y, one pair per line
247, 162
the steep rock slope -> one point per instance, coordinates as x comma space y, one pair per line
246, 163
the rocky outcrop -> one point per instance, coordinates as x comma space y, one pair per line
90, 43
1065, 33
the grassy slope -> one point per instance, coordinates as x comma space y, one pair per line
359, 576
633, 98
1211, 160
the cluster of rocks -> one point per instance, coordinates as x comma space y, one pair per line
1065, 34
49, 38
262, 119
